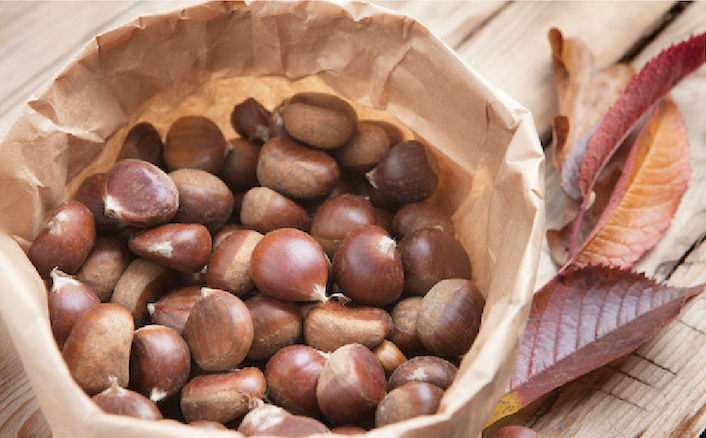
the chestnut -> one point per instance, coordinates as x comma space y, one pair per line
390, 356
337, 217
290, 265
394, 134
404, 327
265, 210
351, 384
322, 120
120, 401
294, 426
104, 265
91, 356
331, 325
292, 374
90, 194
295, 170
172, 309
139, 194
182, 247
449, 317
368, 268
203, 198
68, 300
65, 239
219, 330
143, 142
142, 282
160, 362
405, 174
365, 149
194, 142
429, 256
408, 401
430, 369
276, 324
250, 119
229, 265
222, 397
239, 170
262, 416
412, 217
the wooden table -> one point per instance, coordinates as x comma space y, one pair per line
660, 390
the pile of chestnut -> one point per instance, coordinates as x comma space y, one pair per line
287, 282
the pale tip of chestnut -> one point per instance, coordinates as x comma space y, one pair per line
319, 293
112, 206
157, 395
151, 308
387, 247
56, 224
163, 249
60, 279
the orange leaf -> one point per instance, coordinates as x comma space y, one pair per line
584, 319
647, 194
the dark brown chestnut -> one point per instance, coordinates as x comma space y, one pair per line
290, 265
139, 194
65, 239
408, 401
429, 256
337, 217
412, 217
90, 194
277, 324
160, 362
239, 171
182, 247
68, 300
265, 210
229, 265
294, 426
195, 142
104, 265
143, 142
250, 119
449, 317
295, 170
120, 401
404, 327
203, 198
172, 309
219, 330
292, 374
429, 369
405, 174
368, 268
350, 386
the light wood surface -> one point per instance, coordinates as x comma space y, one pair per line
660, 390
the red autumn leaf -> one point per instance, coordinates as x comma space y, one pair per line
646, 196
643, 90
584, 319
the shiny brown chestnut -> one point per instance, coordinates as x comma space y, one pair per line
93, 357
68, 300
365, 149
90, 194
276, 324
139, 194
262, 416
368, 268
160, 362
404, 327
250, 119
337, 217
322, 120
429, 256
408, 401
222, 397
142, 282
295, 170
65, 239
412, 217
350, 386
429, 369
182, 247
229, 265
172, 309
449, 317
292, 374
120, 401
390, 356
143, 142
405, 174
219, 330
104, 265
290, 265
239, 170
331, 325
294, 426
195, 142
265, 210
203, 198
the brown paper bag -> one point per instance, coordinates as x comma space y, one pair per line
205, 59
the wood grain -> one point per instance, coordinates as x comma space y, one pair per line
660, 390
